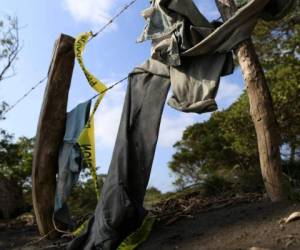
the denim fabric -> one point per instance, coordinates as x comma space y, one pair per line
70, 162
120, 209
174, 27
197, 51
189, 54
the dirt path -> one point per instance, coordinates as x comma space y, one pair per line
232, 228
27, 238
235, 228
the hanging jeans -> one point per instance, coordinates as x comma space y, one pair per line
177, 29
120, 209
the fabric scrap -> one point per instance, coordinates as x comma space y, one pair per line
70, 162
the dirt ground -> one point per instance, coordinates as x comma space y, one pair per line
238, 227
233, 228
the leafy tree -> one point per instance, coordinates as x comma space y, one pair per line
9, 46
15, 169
278, 44
222, 142
16, 159
202, 149
9, 50
83, 199
153, 195
228, 140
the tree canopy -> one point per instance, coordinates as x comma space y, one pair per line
227, 141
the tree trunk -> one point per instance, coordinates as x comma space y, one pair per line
50, 134
261, 109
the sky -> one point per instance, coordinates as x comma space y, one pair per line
111, 56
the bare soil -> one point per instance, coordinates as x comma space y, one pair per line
239, 226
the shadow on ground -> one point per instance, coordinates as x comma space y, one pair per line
231, 228
234, 228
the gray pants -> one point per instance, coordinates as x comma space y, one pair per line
120, 210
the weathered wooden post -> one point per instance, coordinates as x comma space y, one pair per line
50, 133
261, 109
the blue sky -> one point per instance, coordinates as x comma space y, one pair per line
111, 56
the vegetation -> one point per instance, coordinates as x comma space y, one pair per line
9, 46
225, 146
83, 199
217, 155
16, 159
15, 156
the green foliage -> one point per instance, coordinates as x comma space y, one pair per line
227, 141
238, 130
83, 199
247, 181
214, 185
16, 159
203, 148
9, 46
153, 195
277, 41
3, 107
286, 94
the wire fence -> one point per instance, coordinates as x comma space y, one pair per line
113, 19
104, 27
24, 96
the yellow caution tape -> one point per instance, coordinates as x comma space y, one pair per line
86, 139
86, 142
79, 230
139, 236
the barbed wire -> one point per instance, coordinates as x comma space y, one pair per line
25, 95
110, 87
105, 26
113, 19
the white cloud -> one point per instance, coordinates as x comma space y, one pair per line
108, 117
173, 123
172, 127
228, 93
96, 12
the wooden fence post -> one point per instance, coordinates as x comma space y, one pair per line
261, 109
50, 133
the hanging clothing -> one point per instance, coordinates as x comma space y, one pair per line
197, 51
191, 55
70, 162
120, 209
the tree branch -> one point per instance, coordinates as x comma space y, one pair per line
11, 47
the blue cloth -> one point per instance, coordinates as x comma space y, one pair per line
70, 162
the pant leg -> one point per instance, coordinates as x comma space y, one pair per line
120, 210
